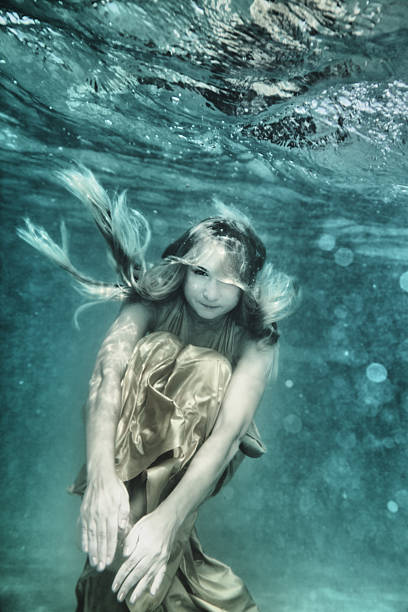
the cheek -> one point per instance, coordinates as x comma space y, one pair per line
191, 285
233, 296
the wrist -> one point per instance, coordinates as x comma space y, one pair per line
100, 469
172, 512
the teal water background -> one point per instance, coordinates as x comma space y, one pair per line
296, 113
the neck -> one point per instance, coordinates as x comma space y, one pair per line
204, 325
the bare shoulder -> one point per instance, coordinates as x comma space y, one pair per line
246, 387
142, 313
135, 319
132, 323
258, 359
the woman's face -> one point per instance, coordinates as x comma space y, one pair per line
205, 292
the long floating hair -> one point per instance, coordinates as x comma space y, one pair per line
268, 296
126, 231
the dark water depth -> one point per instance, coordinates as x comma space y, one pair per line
295, 112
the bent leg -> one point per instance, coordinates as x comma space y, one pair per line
94, 591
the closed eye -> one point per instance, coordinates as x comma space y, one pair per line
200, 271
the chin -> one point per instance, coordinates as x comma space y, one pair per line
208, 313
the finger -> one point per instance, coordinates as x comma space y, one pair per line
101, 538
131, 541
84, 536
158, 579
112, 537
123, 515
124, 571
131, 580
92, 543
83, 517
140, 588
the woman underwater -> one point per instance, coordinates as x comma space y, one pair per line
171, 401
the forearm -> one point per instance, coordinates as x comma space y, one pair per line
104, 400
207, 466
149, 545
102, 414
201, 477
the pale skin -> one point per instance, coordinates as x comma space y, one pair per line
105, 506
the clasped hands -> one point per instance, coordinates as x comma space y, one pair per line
147, 546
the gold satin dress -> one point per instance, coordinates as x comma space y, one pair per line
171, 396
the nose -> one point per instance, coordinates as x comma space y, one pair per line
210, 290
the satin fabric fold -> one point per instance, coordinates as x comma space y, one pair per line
171, 396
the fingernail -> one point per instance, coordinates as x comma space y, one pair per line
122, 524
114, 586
126, 551
108, 560
93, 560
101, 566
121, 596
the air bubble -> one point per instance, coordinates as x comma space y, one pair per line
326, 242
340, 312
344, 257
289, 383
392, 506
404, 281
376, 372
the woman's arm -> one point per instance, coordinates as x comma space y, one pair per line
237, 411
105, 506
150, 541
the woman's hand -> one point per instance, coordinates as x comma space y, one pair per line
104, 510
148, 547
